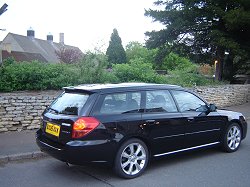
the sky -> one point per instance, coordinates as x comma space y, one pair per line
86, 24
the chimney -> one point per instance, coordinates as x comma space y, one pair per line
50, 37
7, 47
61, 36
31, 33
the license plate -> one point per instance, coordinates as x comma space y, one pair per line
52, 129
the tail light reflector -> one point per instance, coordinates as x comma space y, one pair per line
83, 126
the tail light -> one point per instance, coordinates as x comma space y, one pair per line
83, 126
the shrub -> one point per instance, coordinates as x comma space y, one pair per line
8, 61
92, 68
188, 78
185, 73
41, 76
136, 50
109, 77
35, 76
206, 69
173, 61
137, 71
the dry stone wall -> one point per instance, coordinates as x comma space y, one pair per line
225, 95
22, 110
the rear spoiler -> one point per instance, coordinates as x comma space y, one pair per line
72, 89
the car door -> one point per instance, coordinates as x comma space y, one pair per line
120, 113
162, 122
202, 127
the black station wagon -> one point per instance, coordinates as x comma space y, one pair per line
128, 124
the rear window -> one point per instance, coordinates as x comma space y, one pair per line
69, 103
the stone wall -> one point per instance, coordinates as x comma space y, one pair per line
224, 95
22, 110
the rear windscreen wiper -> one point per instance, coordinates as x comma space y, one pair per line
54, 110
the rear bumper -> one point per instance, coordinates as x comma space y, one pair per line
77, 152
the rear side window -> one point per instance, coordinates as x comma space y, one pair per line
160, 101
120, 103
69, 103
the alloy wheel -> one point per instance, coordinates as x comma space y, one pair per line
133, 159
233, 137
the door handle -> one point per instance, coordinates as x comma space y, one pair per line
150, 122
190, 119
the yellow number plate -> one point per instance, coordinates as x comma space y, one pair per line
53, 129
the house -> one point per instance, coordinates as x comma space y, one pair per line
29, 48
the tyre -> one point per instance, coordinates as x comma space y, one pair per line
131, 159
232, 138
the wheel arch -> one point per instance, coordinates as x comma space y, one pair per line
144, 139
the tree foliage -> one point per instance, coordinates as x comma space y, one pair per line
69, 55
135, 50
41, 76
173, 61
137, 71
115, 51
203, 30
36, 76
92, 67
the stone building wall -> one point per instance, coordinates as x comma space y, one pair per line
22, 110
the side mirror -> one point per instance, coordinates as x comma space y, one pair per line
212, 107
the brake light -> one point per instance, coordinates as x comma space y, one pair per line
83, 126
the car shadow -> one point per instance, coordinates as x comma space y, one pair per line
105, 173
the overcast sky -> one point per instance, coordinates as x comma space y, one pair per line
85, 23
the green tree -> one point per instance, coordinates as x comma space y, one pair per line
136, 50
115, 52
203, 31
173, 62
92, 67
137, 71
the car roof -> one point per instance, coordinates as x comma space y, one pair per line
106, 88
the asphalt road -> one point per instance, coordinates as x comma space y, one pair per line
209, 167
